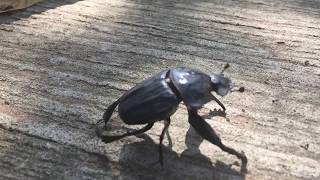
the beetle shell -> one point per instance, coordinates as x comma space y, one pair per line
149, 101
193, 86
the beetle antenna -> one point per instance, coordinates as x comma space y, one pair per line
225, 67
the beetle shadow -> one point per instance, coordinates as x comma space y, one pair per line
193, 141
140, 157
38, 8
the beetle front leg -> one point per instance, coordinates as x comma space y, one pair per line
220, 103
205, 131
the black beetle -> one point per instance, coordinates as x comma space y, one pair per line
158, 97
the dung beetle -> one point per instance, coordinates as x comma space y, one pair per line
158, 97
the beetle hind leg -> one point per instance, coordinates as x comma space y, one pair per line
165, 129
160, 146
106, 117
205, 131
108, 113
108, 139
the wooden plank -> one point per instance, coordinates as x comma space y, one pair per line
10, 5
62, 63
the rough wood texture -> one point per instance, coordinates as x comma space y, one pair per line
10, 5
63, 62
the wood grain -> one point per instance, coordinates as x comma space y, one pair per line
62, 63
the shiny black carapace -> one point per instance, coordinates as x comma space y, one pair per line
158, 97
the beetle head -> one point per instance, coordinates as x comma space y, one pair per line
220, 84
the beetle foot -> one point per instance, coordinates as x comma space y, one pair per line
215, 112
221, 112
244, 162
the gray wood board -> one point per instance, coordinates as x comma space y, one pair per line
62, 63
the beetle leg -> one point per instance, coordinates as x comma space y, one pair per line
166, 126
220, 103
205, 131
106, 117
108, 139
169, 138
108, 113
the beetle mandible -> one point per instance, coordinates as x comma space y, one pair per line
158, 97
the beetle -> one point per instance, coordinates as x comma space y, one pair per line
158, 97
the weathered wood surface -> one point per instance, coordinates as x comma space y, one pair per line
63, 62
